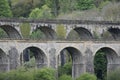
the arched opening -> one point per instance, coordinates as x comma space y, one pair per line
70, 62
3, 61
105, 60
80, 33
9, 32
115, 32
44, 33
33, 57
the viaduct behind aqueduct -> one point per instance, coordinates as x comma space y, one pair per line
47, 51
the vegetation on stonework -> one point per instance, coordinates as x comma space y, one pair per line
61, 32
25, 30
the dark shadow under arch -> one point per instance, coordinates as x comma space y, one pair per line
81, 33
48, 32
107, 61
3, 61
115, 32
11, 32
37, 54
76, 59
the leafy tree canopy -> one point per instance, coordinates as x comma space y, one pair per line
85, 4
44, 12
5, 9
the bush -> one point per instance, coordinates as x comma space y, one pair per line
114, 75
45, 74
2, 76
65, 77
87, 76
66, 69
19, 75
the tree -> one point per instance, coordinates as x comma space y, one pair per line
5, 9
54, 5
100, 63
22, 8
43, 13
85, 4
67, 5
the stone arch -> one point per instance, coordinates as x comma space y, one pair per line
77, 60
115, 32
11, 32
38, 54
82, 33
112, 59
48, 32
3, 61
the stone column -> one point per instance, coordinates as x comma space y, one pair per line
13, 58
114, 64
52, 57
89, 61
78, 65
77, 69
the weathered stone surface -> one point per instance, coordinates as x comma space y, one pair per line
52, 56
13, 58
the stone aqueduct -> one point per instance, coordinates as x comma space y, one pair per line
47, 52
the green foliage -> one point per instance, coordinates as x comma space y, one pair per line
5, 9
61, 32
3, 34
103, 4
19, 75
65, 77
21, 8
96, 36
66, 69
45, 74
43, 13
87, 76
53, 5
114, 75
37, 35
100, 63
30, 64
29, 74
25, 30
85, 4
2, 76
67, 5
